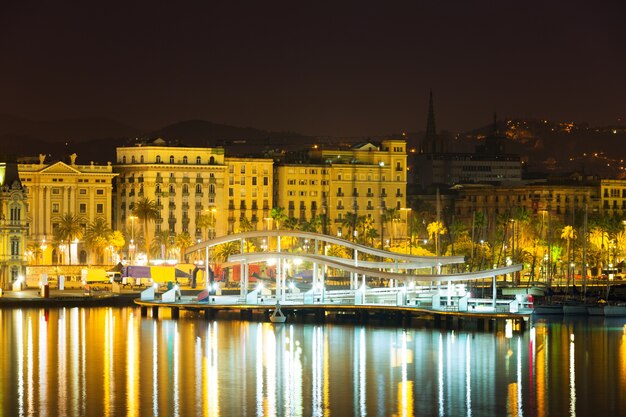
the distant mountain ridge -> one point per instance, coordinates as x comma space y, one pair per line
543, 145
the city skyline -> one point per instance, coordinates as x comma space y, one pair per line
354, 69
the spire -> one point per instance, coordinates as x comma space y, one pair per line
431, 130
494, 130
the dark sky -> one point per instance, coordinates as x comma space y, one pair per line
337, 68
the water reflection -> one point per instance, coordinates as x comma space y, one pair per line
114, 362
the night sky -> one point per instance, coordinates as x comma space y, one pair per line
337, 68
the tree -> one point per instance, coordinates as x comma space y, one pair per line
183, 241
162, 245
146, 211
68, 230
391, 215
279, 216
245, 225
349, 222
206, 222
116, 239
97, 237
568, 233
435, 229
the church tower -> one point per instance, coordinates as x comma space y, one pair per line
432, 142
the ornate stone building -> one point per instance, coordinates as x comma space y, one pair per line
56, 188
13, 225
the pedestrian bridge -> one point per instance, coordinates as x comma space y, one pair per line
420, 274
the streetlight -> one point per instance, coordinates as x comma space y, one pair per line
407, 210
43, 247
131, 246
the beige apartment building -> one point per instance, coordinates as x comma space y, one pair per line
187, 182
364, 179
56, 188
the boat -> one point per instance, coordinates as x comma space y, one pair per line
548, 309
595, 310
277, 315
575, 309
615, 311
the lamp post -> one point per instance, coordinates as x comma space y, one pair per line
407, 211
131, 246
43, 247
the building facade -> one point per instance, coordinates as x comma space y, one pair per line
363, 180
187, 183
13, 226
56, 188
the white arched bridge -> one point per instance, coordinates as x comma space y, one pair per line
410, 279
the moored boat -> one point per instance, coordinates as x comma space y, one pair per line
575, 309
615, 311
595, 310
277, 315
548, 309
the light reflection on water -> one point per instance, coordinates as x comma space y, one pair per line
113, 362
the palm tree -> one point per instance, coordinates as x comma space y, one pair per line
206, 222
245, 225
97, 236
349, 222
279, 216
69, 229
146, 211
434, 230
568, 233
391, 215
162, 244
183, 241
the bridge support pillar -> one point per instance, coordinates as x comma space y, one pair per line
320, 315
175, 312
245, 314
155, 312
209, 314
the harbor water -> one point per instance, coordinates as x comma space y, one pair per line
113, 362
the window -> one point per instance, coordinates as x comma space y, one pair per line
253, 180
132, 159
124, 159
100, 191
82, 208
185, 159
55, 207
100, 208
15, 247
141, 159
198, 160
171, 159
56, 191
82, 191
158, 159
198, 188
266, 181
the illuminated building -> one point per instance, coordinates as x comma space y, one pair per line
364, 179
13, 227
189, 182
435, 165
57, 188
